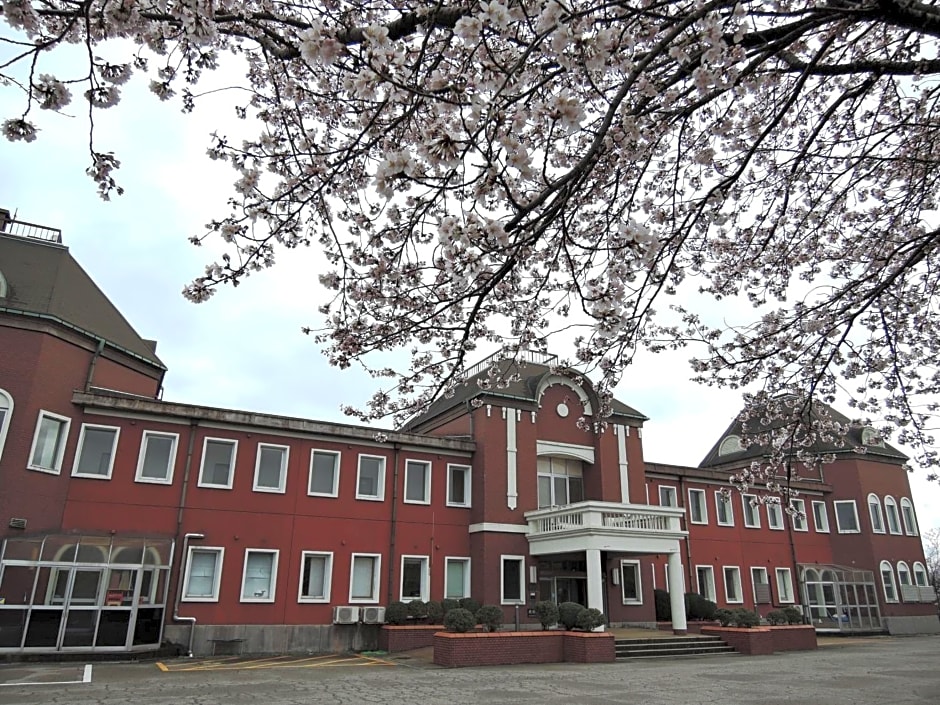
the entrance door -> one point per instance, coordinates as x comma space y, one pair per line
563, 589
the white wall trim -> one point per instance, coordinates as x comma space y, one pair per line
552, 379
623, 466
571, 450
512, 490
496, 527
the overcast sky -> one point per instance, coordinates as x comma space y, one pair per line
244, 348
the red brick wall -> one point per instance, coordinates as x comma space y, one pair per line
751, 642
800, 637
405, 638
589, 648
507, 648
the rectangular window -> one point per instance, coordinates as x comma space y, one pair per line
271, 468
698, 513
260, 575
157, 457
324, 473
630, 582
94, 456
761, 584
218, 463
458, 485
667, 496
784, 585
733, 592
417, 482
316, 573
48, 448
799, 515
203, 572
370, 484
821, 517
751, 513
846, 516
456, 578
774, 516
414, 578
723, 509
511, 576
705, 575
364, 577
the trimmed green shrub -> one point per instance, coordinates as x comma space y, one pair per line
435, 612
448, 604
590, 618
745, 618
663, 605
417, 609
459, 620
396, 613
794, 615
547, 612
775, 617
490, 617
568, 614
469, 604
698, 608
724, 617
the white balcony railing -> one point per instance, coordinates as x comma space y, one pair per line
604, 517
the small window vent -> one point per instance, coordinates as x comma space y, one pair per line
16, 523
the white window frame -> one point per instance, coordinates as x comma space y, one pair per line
835, 509
635, 566
409, 462
380, 497
337, 458
799, 521
711, 590
465, 560
701, 502
6, 403
376, 578
875, 514
202, 463
503, 600
921, 579
752, 509
785, 595
720, 500
908, 515
904, 570
327, 577
60, 451
735, 572
219, 552
142, 456
670, 489
425, 587
466, 485
892, 516
755, 571
774, 516
285, 461
824, 527
884, 567
272, 586
81, 445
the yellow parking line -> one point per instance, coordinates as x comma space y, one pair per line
321, 661
162, 667
377, 661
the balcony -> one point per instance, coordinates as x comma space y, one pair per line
606, 526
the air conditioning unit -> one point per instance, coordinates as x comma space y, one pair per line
345, 615
373, 615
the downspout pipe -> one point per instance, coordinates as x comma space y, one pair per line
393, 530
179, 592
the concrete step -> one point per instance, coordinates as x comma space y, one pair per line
676, 647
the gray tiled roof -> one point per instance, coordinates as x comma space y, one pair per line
45, 280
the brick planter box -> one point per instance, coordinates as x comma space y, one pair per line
506, 648
761, 641
405, 638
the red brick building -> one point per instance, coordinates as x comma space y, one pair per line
129, 520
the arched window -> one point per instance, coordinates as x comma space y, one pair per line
6, 413
887, 580
891, 514
904, 574
4, 288
920, 575
731, 444
907, 514
874, 509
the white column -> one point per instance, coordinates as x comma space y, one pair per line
595, 583
676, 593
512, 493
624, 468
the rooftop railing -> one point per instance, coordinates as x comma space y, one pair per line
538, 358
21, 228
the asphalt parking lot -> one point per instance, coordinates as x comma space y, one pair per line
875, 671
